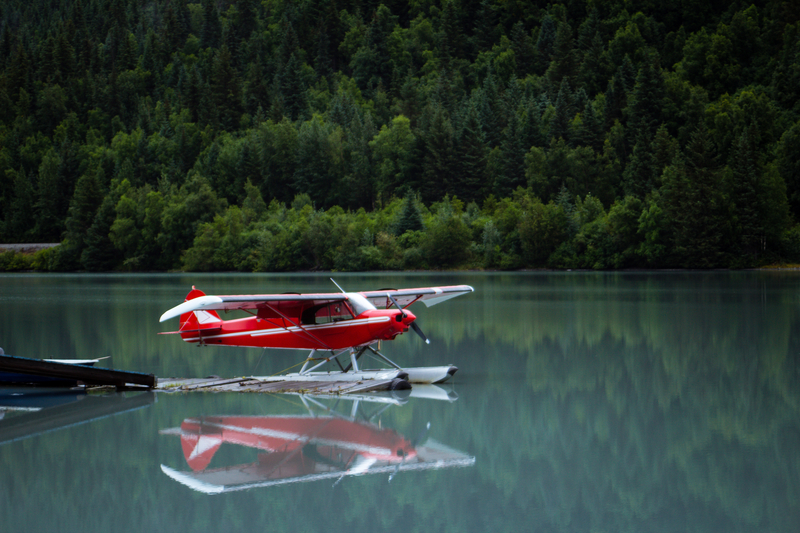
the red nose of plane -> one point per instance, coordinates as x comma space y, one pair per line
410, 317
401, 321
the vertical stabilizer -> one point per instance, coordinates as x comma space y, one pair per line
195, 320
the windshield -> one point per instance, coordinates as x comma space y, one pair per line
358, 303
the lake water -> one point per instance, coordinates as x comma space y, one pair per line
584, 402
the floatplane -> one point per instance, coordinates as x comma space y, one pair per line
324, 444
330, 325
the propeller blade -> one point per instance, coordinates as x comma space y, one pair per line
418, 331
421, 435
414, 444
397, 468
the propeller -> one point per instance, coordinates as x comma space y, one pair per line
414, 444
418, 331
413, 325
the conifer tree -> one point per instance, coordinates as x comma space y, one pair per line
212, 29
409, 218
559, 128
20, 218
788, 162
590, 132
485, 26
547, 39
524, 51
513, 159
470, 178
100, 253
489, 111
695, 204
565, 58
438, 163
588, 29
744, 177
532, 134
292, 89
646, 102
226, 92
82, 209
594, 69
48, 224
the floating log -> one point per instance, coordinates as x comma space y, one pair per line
85, 374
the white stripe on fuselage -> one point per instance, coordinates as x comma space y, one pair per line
279, 329
292, 437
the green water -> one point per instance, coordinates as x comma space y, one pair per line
589, 402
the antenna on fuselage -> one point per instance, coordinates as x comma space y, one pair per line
337, 286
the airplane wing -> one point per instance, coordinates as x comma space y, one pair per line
251, 301
405, 297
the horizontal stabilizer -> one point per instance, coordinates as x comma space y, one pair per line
203, 331
194, 304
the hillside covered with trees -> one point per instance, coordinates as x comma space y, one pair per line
280, 135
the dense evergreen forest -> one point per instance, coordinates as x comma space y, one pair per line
342, 134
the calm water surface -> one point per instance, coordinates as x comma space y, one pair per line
584, 402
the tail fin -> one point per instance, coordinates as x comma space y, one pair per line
196, 320
200, 442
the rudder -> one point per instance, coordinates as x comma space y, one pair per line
197, 320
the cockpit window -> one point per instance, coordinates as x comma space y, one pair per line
326, 313
358, 303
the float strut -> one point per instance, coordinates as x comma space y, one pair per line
309, 358
379, 354
354, 359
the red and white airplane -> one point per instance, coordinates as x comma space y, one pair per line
294, 449
327, 322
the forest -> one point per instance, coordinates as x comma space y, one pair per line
272, 135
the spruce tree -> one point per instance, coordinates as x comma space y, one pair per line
694, 202
100, 253
438, 163
226, 90
559, 128
292, 89
547, 39
470, 178
594, 68
212, 29
513, 159
646, 102
565, 58
590, 133
532, 134
409, 218
485, 30
82, 209
489, 110
48, 224
744, 177
20, 218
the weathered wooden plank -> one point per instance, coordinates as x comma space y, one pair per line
213, 383
278, 386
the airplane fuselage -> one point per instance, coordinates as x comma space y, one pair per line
291, 333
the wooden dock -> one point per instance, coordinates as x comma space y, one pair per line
249, 384
309, 383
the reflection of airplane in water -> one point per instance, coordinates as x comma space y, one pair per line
322, 444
